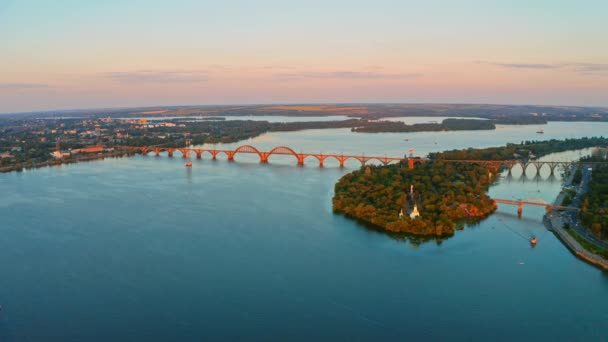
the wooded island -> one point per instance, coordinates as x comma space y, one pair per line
443, 193
440, 194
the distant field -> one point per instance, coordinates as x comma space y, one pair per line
317, 108
153, 112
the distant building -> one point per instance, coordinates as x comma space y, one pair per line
90, 149
58, 154
6, 155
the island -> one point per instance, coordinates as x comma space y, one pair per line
440, 194
433, 199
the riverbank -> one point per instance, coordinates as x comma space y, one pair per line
574, 246
556, 225
56, 162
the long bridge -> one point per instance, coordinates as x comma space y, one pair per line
265, 155
342, 158
537, 164
538, 202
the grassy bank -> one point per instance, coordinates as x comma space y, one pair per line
587, 245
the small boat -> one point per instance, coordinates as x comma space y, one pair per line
533, 241
540, 131
188, 164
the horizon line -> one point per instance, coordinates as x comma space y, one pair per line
64, 110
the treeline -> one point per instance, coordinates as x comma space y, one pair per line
594, 205
298, 126
384, 126
524, 150
448, 193
198, 132
520, 120
445, 125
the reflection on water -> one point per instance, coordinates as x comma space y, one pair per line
189, 174
140, 249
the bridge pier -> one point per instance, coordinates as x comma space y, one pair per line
300, 160
199, 154
321, 160
264, 158
553, 167
157, 152
520, 209
170, 152
214, 154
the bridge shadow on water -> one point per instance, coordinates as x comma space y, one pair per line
525, 178
501, 215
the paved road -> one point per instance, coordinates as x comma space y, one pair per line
571, 217
557, 226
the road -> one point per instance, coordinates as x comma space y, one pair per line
572, 217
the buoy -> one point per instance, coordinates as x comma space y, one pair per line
533, 241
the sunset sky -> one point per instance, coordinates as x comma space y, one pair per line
87, 54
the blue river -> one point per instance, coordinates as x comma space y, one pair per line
144, 249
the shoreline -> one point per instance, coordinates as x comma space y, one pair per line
58, 162
555, 224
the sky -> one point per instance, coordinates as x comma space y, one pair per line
62, 54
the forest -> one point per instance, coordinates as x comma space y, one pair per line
448, 193
523, 151
594, 205
445, 125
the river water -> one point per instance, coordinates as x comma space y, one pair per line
144, 249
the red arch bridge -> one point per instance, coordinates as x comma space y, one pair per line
264, 155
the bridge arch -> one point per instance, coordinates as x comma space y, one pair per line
380, 160
284, 150
321, 158
145, 150
243, 149
203, 151
246, 149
